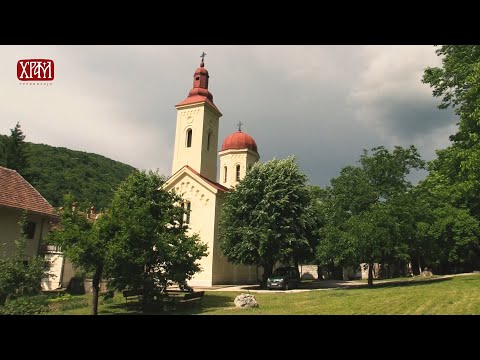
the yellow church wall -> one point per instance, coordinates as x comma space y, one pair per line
208, 166
202, 220
227, 273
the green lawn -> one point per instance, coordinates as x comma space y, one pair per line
458, 295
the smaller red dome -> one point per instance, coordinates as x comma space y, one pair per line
239, 140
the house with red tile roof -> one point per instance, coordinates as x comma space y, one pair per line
18, 197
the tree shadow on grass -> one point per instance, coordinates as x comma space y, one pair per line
400, 283
130, 308
209, 302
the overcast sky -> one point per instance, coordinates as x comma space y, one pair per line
322, 103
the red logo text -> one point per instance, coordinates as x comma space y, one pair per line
35, 70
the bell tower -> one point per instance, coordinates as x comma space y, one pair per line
196, 138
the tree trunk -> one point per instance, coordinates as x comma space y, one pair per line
419, 264
370, 274
267, 272
319, 273
96, 289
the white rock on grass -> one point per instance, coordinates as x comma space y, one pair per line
245, 301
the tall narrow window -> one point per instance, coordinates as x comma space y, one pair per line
29, 229
225, 174
237, 174
208, 140
189, 137
187, 205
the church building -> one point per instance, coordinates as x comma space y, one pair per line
194, 177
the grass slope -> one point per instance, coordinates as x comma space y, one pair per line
458, 295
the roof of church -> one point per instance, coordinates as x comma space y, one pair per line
213, 183
239, 140
197, 99
199, 92
16, 192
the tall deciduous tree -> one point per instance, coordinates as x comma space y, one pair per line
2, 151
315, 214
14, 150
454, 175
368, 220
448, 238
151, 247
457, 83
266, 218
84, 242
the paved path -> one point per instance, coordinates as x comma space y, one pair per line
306, 286
325, 284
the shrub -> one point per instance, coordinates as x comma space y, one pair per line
26, 305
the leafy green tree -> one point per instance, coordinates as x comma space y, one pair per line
2, 150
151, 248
17, 277
456, 237
306, 254
448, 238
457, 83
84, 242
14, 150
368, 218
454, 175
387, 170
266, 218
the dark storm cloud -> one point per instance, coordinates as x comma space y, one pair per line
416, 118
322, 103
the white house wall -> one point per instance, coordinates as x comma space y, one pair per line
10, 231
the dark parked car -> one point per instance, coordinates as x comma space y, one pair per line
284, 278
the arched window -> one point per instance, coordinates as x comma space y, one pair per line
249, 167
208, 140
187, 205
225, 174
189, 138
237, 173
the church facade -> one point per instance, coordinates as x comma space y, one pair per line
194, 177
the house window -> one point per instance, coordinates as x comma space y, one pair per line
187, 205
208, 140
249, 167
29, 230
189, 138
237, 174
225, 174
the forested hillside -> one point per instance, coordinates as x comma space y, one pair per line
55, 171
